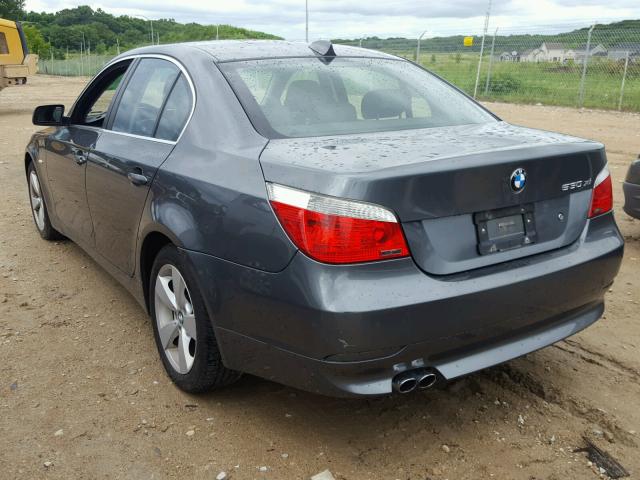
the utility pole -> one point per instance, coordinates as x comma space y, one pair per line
418, 47
217, 32
150, 26
306, 35
484, 34
118, 45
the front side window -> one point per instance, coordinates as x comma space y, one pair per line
94, 104
98, 110
302, 97
144, 97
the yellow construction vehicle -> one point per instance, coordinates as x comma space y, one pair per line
16, 63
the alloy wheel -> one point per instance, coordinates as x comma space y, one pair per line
175, 319
37, 204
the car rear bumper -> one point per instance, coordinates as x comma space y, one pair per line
348, 331
632, 199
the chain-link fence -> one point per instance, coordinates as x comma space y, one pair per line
73, 65
594, 67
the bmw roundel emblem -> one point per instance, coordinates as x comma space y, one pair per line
518, 180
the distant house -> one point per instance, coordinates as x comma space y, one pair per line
620, 52
594, 51
556, 52
510, 56
534, 55
548, 52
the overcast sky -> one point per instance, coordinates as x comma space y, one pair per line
358, 18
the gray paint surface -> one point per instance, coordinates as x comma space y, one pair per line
338, 329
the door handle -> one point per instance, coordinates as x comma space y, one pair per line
79, 156
137, 179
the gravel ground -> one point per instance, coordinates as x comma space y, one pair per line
83, 393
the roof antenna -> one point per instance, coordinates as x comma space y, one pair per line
324, 48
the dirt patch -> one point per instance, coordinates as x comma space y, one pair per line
83, 393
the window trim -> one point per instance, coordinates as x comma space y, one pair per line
113, 108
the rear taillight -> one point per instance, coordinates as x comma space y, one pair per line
334, 230
602, 196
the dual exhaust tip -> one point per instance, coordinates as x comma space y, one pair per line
419, 379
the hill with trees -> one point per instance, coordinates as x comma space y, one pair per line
103, 32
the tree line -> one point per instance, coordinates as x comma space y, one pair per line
83, 28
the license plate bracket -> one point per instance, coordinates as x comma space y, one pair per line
505, 229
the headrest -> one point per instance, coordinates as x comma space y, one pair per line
385, 103
302, 90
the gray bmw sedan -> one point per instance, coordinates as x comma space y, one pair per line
328, 217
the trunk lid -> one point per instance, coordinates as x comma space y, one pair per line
447, 184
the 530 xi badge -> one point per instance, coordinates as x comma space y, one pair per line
578, 184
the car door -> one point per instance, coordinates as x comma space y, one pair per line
150, 114
67, 151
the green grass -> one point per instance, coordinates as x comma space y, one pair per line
546, 83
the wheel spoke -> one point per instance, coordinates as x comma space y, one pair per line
35, 185
189, 325
40, 214
164, 293
179, 288
168, 333
183, 351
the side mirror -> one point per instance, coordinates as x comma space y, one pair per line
50, 115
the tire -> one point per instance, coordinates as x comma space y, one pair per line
39, 210
193, 362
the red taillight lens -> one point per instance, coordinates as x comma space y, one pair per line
333, 230
602, 196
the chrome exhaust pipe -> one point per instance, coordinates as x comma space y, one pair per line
405, 382
425, 379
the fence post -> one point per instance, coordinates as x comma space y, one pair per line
418, 47
475, 88
624, 77
484, 34
585, 61
493, 45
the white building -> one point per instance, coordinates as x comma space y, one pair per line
548, 52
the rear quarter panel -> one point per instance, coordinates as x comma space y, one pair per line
210, 196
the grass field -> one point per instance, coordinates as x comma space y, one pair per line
546, 82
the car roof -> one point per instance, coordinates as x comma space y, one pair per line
235, 50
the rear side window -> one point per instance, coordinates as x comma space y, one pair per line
144, 97
4, 48
176, 111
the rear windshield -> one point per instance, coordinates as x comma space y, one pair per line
306, 97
